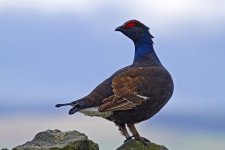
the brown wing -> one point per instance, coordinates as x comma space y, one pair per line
131, 88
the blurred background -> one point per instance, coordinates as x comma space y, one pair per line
54, 51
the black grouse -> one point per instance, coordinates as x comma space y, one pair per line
134, 93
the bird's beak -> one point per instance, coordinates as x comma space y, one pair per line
120, 28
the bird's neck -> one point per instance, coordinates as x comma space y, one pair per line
144, 52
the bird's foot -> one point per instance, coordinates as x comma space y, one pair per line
144, 140
128, 138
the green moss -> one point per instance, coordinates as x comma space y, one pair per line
137, 145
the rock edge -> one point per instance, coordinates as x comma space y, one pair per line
58, 140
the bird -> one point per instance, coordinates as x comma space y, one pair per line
134, 93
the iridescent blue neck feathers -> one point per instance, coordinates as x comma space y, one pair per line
144, 51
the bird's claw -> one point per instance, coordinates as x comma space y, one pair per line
144, 140
128, 138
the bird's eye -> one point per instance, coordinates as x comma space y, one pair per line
130, 25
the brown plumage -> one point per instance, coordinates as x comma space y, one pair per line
134, 93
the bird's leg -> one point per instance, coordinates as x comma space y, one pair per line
136, 135
124, 132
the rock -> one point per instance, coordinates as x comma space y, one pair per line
137, 145
57, 140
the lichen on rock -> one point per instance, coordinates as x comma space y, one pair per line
57, 140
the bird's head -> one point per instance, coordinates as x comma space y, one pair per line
133, 29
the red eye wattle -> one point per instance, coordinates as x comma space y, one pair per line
130, 25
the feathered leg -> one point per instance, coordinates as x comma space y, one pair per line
136, 135
124, 132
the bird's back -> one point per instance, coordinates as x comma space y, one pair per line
157, 87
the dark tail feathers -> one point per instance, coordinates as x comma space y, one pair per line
77, 105
60, 105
